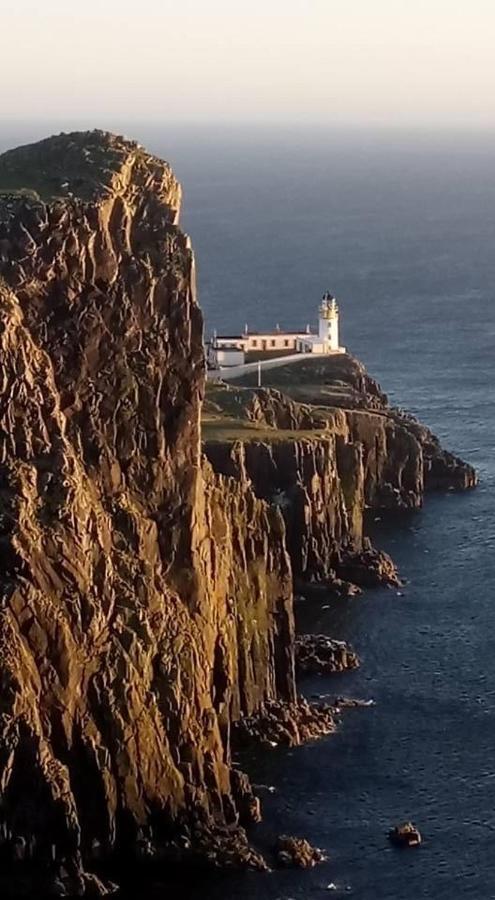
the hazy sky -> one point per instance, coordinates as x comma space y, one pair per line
325, 61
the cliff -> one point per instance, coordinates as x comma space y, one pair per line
323, 385
145, 601
146, 592
321, 442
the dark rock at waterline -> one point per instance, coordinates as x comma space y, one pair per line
219, 847
368, 567
29, 874
330, 588
317, 654
297, 852
247, 804
405, 835
285, 724
352, 703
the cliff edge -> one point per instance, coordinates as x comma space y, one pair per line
146, 599
321, 442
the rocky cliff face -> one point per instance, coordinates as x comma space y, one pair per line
323, 445
140, 609
146, 591
317, 484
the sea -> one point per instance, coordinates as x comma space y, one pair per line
400, 226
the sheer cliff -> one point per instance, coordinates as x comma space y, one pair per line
145, 601
321, 443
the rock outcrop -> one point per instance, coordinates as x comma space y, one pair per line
324, 448
285, 724
145, 601
317, 654
317, 484
294, 851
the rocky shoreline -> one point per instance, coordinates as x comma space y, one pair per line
154, 532
317, 654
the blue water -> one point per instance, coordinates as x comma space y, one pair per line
402, 230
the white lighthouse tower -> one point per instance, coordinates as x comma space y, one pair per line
328, 324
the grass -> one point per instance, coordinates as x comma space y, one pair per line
324, 385
225, 418
225, 430
82, 163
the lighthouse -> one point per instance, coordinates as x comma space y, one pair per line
328, 323
228, 351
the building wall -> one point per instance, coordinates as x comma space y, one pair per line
313, 346
227, 357
334, 334
236, 350
270, 342
257, 342
329, 332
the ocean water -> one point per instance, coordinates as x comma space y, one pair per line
402, 229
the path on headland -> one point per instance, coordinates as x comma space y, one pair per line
238, 371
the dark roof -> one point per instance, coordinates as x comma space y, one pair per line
242, 337
229, 337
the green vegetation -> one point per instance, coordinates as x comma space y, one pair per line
227, 416
338, 370
309, 393
226, 400
229, 430
333, 381
82, 164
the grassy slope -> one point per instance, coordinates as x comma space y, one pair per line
82, 163
335, 382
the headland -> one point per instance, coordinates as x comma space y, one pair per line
156, 528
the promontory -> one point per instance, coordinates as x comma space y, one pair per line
148, 560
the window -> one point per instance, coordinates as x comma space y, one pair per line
286, 343
272, 343
254, 343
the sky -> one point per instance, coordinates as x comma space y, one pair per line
387, 62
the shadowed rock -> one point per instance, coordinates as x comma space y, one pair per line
317, 654
146, 602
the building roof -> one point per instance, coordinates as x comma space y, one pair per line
245, 335
312, 339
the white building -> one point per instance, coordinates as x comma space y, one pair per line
225, 351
